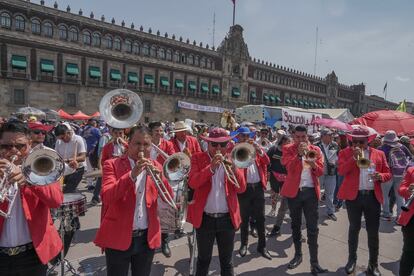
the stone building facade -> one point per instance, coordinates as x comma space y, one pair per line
52, 58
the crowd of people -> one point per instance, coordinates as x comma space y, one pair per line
365, 173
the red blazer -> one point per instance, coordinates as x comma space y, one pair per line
191, 143
347, 166
294, 166
36, 202
108, 150
167, 147
405, 217
262, 162
200, 180
119, 199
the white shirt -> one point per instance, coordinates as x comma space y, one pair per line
118, 150
15, 229
182, 145
216, 200
364, 176
253, 174
140, 212
306, 176
67, 150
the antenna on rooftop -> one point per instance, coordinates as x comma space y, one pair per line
316, 51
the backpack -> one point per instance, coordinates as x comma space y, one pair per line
398, 161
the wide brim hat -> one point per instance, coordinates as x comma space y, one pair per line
39, 126
180, 126
217, 135
390, 138
360, 131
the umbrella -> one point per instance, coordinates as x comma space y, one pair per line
64, 115
382, 120
80, 116
96, 114
30, 111
333, 123
51, 115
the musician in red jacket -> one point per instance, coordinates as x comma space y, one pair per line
252, 202
361, 188
215, 212
116, 147
130, 229
302, 190
167, 147
28, 238
182, 142
407, 221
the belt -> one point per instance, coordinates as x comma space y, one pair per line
13, 251
366, 192
302, 189
217, 215
139, 233
254, 184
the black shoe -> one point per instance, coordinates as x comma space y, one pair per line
243, 250
295, 262
166, 249
275, 232
317, 269
332, 217
253, 232
265, 254
350, 266
373, 270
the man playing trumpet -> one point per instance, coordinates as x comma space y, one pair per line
130, 229
364, 169
304, 165
215, 212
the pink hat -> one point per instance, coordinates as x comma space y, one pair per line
39, 126
217, 135
360, 131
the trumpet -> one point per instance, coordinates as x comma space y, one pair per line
309, 154
362, 162
159, 184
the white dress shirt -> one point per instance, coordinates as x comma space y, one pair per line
365, 177
118, 150
140, 212
306, 176
15, 229
216, 200
253, 173
67, 150
182, 145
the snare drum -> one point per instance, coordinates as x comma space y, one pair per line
74, 205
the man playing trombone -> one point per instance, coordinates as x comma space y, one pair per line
215, 212
304, 164
364, 169
28, 238
130, 228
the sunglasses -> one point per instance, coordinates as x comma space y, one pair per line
215, 144
19, 147
37, 131
360, 142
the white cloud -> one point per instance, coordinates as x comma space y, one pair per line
402, 79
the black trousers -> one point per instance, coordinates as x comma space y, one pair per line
72, 181
407, 258
221, 230
305, 202
138, 255
23, 264
252, 204
367, 205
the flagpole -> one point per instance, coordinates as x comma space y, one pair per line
234, 12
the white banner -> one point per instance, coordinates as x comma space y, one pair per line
198, 107
292, 117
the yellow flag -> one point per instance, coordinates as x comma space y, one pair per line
402, 107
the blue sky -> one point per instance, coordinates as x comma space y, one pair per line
370, 41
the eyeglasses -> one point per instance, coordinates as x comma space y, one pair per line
215, 144
19, 147
360, 142
37, 131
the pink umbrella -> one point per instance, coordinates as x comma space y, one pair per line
332, 123
80, 116
96, 114
64, 115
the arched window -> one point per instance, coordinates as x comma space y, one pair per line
161, 53
153, 51
96, 40
117, 44
73, 34
128, 46
191, 59
86, 38
168, 55
109, 43
36, 26
135, 48
48, 29
5, 20
63, 32
145, 50
183, 58
20, 23
203, 62
177, 57
209, 64
197, 61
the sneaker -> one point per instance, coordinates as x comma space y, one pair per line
272, 213
386, 217
332, 217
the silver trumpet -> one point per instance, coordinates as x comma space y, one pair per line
41, 167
